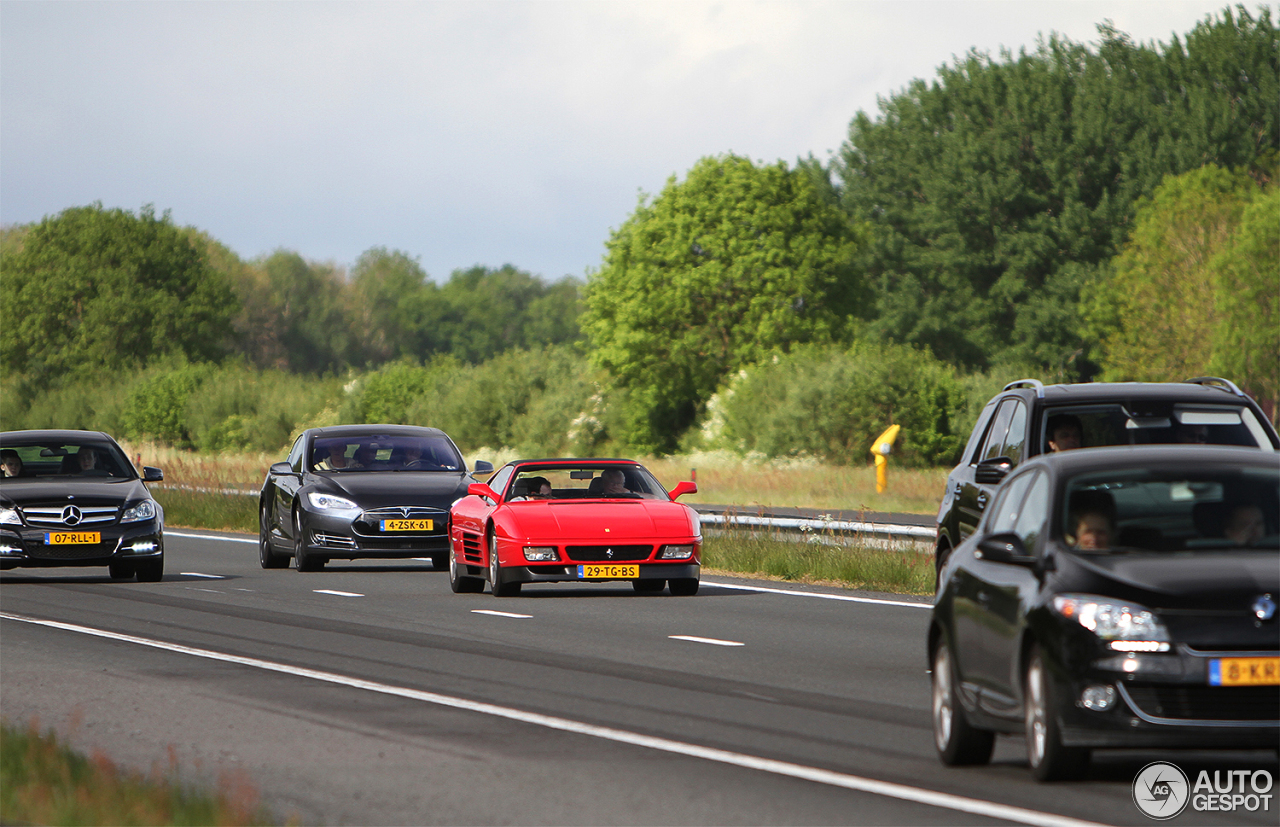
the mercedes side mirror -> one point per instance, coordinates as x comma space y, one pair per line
150, 474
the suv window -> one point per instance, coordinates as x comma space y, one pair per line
1013, 443
994, 442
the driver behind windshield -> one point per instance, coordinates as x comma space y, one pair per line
1091, 521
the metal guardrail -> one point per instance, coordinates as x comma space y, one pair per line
813, 526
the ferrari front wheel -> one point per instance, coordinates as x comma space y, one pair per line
460, 583
496, 586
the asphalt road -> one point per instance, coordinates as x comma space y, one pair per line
370, 694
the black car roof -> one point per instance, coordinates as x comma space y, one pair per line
375, 430
1118, 391
1156, 456
55, 435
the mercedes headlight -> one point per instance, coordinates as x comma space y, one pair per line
145, 510
9, 515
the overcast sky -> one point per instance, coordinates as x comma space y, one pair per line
461, 133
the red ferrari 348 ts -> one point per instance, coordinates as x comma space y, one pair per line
586, 520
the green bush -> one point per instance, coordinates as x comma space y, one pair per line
240, 408
831, 403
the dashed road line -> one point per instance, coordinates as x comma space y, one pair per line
496, 613
711, 640
336, 592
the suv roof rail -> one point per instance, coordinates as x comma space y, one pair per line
1216, 381
1035, 383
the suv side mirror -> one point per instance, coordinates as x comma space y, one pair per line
1005, 547
992, 471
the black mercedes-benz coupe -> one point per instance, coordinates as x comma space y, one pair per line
1118, 597
362, 491
72, 498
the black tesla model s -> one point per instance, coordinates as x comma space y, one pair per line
72, 498
362, 491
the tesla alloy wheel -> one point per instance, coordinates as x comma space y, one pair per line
267, 556
303, 559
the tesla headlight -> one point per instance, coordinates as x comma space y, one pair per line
328, 502
9, 515
145, 510
1127, 627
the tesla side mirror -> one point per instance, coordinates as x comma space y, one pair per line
281, 468
684, 488
150, 474
991, 471
483, 467
1005, 547
479, 489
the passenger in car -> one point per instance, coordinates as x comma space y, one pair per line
1245, 525
336, 459
11, 463
364, 457
614, 482
87, 460
1092, 519
1064, 433
539, 488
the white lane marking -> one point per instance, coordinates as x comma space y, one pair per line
845, 597
209, 576
710, 640
338, 593
210, 591
835, 779
210, 537
496, 613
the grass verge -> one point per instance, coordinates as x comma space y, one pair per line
820, 560
44, 781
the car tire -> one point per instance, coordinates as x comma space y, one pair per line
648, 586
303, 559
958, 742
121, 571
267, 556
1049, 759
150, 571
460, 583
683, 586
496, 586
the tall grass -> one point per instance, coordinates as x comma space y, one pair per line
196, 491
44, 781
857, 566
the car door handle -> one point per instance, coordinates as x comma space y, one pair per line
984, 598
982, 500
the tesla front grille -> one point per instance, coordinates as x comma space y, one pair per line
608, 554
70, 515
1208, 703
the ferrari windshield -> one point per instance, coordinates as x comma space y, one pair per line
1136, 509
32, 460
584, 481
384, 453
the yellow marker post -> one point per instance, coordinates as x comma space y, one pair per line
881, 449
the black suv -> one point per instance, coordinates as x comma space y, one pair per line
1023, 419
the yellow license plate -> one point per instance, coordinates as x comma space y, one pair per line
1244, 672
407, 525
608, 572
72, 538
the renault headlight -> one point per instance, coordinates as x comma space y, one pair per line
145, 510
328, 502
1127, 627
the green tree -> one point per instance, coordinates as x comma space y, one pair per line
997, 190
490, 311
393, 306
1196, 289
95, 289
732, 263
